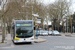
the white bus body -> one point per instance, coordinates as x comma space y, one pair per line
22, 31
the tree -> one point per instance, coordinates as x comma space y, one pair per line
58, 10
3, 20
22, 10
73, 20
0, 2
38, 8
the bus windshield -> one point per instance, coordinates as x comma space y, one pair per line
24, 32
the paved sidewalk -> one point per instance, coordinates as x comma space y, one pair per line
39, 40
7, 42
7, 39
68, 34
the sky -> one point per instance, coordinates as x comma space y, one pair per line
48, 1
73, 5
52, 1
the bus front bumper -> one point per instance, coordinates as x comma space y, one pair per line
23, 40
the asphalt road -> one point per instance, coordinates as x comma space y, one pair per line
52, 43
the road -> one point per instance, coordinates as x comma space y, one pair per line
52, 43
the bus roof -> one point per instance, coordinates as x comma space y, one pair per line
20, 21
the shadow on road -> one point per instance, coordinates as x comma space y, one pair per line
25, 43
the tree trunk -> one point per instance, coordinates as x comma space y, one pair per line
42, 23
52, 27
4, 30
3, 34
47, 22
43, 26
63, 28
8, 27
58, 25
71, 25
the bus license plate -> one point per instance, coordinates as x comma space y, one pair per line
24, 41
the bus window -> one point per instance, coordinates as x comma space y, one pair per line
24, 32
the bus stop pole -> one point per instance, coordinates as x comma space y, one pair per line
37, 32
34, 34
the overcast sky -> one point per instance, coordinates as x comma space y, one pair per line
51, 1
73, 5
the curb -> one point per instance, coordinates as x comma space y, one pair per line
39, 40
62, 35
70, 35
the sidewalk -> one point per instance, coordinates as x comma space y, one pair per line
7, 42
39, 40
68, 34
7, 39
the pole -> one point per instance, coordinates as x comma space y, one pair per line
67, 25
32, 12
73, 29
37, 32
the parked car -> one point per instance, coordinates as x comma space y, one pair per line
50, 32
54, 33
45, 33
40, 32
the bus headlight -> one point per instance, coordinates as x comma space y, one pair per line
16, 40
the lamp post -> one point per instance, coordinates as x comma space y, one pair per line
32, 12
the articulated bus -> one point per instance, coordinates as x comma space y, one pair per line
22, 31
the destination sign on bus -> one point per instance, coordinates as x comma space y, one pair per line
23, 24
